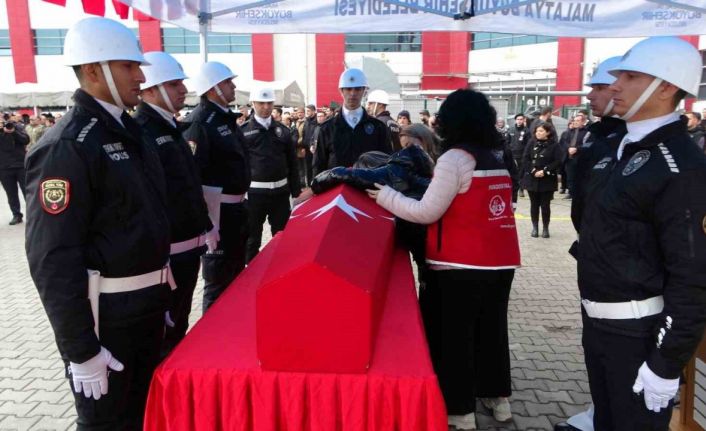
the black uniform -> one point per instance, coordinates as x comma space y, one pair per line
96, 200
393, 127
272, 159
188, 215
697, 135
572, 138
12, 172
340, 145
222, 158
643, 234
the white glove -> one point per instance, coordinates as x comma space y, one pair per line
168, 319
658, 391
91, 377
212, 196
212, 238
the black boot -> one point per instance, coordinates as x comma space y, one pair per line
16, 220
545, 232
535, 230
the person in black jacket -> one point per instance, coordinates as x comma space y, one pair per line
541, 162
97, 236
377, 107
519, 135
696, 131
273, 168
223, 161
12, 172
343, 138
572, 144
642, 246
163, 95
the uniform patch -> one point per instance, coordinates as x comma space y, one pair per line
224, 130
54, 195
193, 145
637, 161
602, 163
278, 132
116, 151
251, 132
164, 139
369, 129
497, 206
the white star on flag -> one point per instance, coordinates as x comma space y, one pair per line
340, 202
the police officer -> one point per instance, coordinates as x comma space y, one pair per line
222, 157
273, 168
377, 107
353, 132
601, 140
163, 96
518, 135
642, 247
98, 231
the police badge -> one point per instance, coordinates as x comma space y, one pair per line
637, 161
54, 195
369, 129
192, 146
278, 132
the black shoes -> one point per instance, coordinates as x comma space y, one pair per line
535, 232
545, 232
563, 426
16, 220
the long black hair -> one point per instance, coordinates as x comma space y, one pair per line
466, 117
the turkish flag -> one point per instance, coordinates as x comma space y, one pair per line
57, 2
121, 9
94, 7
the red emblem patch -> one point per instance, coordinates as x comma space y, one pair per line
54, 195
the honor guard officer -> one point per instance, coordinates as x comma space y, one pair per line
163, 96
353, 132
601, 142
98, 231
273, 168
642, 247
377, 107
225, 174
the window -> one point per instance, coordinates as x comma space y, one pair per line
5, 43
180, 41
702, 88
484, 40
384, 42
49, 41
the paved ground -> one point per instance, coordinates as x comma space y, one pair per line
549, 378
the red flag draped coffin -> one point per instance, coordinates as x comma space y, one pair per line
319, 305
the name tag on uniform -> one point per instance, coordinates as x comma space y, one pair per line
251, 132
164, 139
116, 151
224, 130
602, 163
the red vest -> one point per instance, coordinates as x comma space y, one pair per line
478, 230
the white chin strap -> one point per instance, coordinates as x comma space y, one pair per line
608, 109
220, 94
111, 85
642, 99
165, 97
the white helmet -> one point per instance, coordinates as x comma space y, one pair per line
264, 94
162, 68
600, 75
97, 40
668, 58
210, 74
379, 96
352, 78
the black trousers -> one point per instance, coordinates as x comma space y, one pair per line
185, 269
137, 346
541, 200
270, 205
10, 179
465, 319
570, 168
225, 263
612, 362
518, 166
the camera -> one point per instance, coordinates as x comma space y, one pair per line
10, 125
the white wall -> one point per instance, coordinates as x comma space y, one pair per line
295, 60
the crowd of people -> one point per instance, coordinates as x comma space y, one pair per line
125, 210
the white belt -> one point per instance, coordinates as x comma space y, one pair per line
232, 199
98, 285
189, 244
624, 310
271, 185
